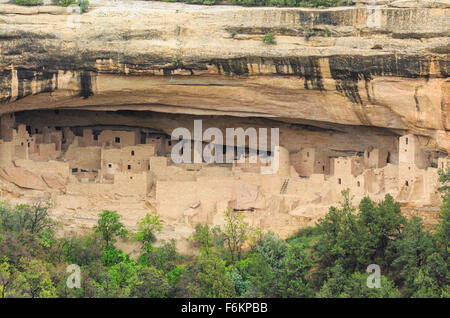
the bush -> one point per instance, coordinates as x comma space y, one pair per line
83, 4
163, 258
269, 38
28, 2
274, 3
64, 3
233, 32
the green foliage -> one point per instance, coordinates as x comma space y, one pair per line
260, 275
6, 277
432, 280
340, 285
273, 3
174, 275
163, 258
341, 240
444, 179
109, 227
150, 283
112, 256
176, 62
443, 229
82, 250
335, 284
357, 287
211, 279
147, 230
383, 223
28, 2
33, 280
64, 3
236, 232
206, 238
269, 38
295, 280
356, 240
327, 260
33, 219
241, 285
233, 32
273, 249
84, 5
412, 248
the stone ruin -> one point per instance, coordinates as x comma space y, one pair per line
86, 169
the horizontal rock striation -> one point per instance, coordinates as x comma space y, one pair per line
380, 66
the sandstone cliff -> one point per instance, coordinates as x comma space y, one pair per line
384, 66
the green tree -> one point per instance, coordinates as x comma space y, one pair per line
6, 276
431, 280
150, 283
442, 233
33, 280
384, 223
33, 219
147, 230
109, 227
236, 232
413, 247
162, 258
203, 237
356, 287
273, 249
260, 275
342, 239
211, 280
335, 284
294, 280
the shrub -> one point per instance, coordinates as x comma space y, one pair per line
84, 5
233, 32
176, 62
64, 3
269, 38
29, 2
109, 227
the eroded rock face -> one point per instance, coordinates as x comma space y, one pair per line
385, 66
345, 82
23, 178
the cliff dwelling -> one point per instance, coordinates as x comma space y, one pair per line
86, 117
87, 160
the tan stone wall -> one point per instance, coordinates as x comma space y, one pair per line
174, 197
46, 151
376, 158
87, 140
132, 183
7, 122
83, 157
410, 152
6, 153
21, 152
309, 160
126, 138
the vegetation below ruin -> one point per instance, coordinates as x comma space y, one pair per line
273, 3
328, 260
